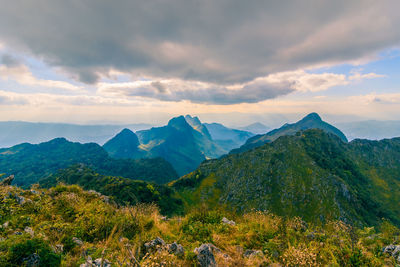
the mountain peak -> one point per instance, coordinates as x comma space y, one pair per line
312, 116
123, 145
179, 121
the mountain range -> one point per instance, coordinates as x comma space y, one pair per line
184, 142
306, 169
311, 121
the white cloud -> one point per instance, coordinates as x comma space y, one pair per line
359, 76
11, 69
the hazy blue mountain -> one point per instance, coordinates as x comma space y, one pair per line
312, 174
29, 163
227, 138
16, 132
256, 128
371, 129
124, 145
175, 142
311, 121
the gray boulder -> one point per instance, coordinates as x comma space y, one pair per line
102, 263
20, 199
205, 255
176, 249
77, 241
393, 250
252, 253
29, 230
155, 244
32, 260
227, 221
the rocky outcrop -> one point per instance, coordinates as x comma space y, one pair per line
100, 262
7, 181
158, 244
205, 255
252, 253
154, 245
393, 250
176, 249
77, 241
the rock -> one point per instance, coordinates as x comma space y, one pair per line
154, 244
7, 181
32, 260
226, 221
6, 224
176, 249
205, 255
59, 248
77, 241
393, 250
20, 199
29, 230
102, 263
34, 192
106, 199
252, 253
94, 193
88, 263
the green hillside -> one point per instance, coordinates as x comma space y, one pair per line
312, 174
121, 190
67, 226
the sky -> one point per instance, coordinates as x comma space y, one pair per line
231, 61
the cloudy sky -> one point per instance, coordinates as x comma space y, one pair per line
98, 61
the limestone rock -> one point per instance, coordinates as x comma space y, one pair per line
154, 244
227, 221
29, 230
77, 241
205, 255
176, 249
252, 253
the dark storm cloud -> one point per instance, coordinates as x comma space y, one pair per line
224, 42
10, 61
212, 94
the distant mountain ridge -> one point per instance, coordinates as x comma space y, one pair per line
227, 138
370, 129
17, 132
29, 163
311, 121
256, 128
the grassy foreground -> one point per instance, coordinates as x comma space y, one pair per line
65, 226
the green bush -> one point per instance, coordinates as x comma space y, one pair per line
20, 253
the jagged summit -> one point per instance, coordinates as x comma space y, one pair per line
192, 120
